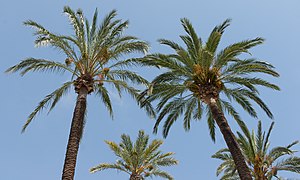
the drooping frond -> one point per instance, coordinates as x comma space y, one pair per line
52, 99
104, 94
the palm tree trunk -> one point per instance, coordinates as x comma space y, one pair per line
135, 176
75, 135
230, 140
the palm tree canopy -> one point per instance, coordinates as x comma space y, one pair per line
198, 72
142, 158
93, 56
263, 163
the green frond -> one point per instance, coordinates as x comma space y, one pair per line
190, 107
169, 161
151, 149
292, 144
60, 93
259, 138
165, 92
227, 107
172, 110
125, 75
247, 66
291, 164
240, 99
277, 152
254, 148
94, 26
141, 142
171, 44
266, 143
114, 147
126, 143
103, 93
105, 166
215, 36
173, 116
198, 111
211, 125
234, 50
166, 62
139, 157
54, 97
162, 174
34, 65
127, 47
76, 21
192, 41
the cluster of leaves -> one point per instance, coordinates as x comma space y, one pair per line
200, 66
141, 158
263, 162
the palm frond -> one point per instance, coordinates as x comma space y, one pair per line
231, 51
54, 97
105, 166
104, 94
32, 64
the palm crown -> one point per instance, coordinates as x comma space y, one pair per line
91, 55
197, 73
141, 159
264, 163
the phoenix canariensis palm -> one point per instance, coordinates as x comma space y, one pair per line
140, 159
93, 60
198, 79
264, 163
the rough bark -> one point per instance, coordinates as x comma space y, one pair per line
135, 176
233, 146
75, 135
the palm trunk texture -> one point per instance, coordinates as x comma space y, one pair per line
134, 176
231, 141
75, 135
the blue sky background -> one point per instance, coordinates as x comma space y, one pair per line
39, 152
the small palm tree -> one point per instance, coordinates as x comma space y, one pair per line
139, 160
197, 78
92, 55
264, 164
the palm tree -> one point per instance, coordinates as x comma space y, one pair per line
264, 164
91, 59
140, 160
197, 76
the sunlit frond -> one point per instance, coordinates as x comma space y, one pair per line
141, 157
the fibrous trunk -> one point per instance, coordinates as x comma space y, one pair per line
135, 176
75, 135
230, 140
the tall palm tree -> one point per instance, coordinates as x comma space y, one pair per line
92, 55
140, 159
264, 163
196, 77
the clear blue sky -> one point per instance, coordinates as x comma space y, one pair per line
39, 152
